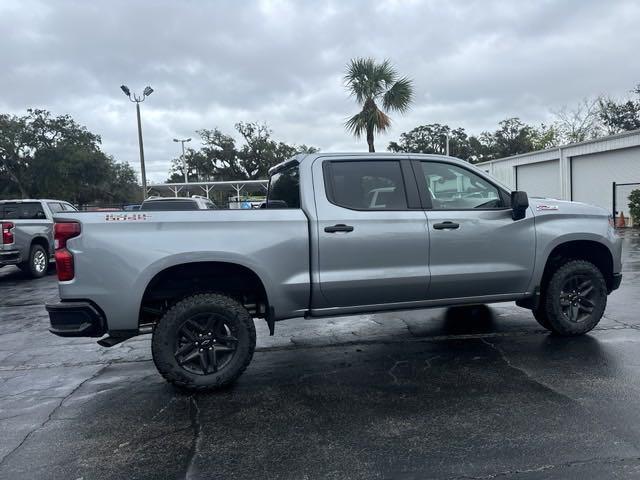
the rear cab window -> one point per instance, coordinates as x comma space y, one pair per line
284, 188
22, 211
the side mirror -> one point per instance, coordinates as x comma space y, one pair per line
519, 205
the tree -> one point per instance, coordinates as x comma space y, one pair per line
620, 117
370, 82
512, 138
46, 156
580, 123
432, 138
634, 205
545, 136
220, 158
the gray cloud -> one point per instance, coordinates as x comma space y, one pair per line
217, 63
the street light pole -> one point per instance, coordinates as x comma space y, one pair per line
184, 159
138, 100
143, 171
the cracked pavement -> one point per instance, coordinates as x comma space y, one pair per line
460, 393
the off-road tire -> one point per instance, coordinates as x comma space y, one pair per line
165, 336
33, 266
559, 322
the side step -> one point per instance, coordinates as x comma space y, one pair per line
119, 336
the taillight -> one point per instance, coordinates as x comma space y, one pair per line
64, 258
7, 233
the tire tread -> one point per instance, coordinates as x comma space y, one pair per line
168, 371
550, 309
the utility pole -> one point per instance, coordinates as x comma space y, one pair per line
138, 100
184, 159
447, 137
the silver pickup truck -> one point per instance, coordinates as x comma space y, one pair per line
27, 233
340, 234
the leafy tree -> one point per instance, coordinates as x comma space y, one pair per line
220, 158
370, 82
511, 138
545, 136
431, 138
620, 117
634, 205
46, 156
199, 167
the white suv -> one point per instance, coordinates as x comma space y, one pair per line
196, 202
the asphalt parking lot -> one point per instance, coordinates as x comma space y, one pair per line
478, 392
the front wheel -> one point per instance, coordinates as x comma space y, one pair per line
575, 298
204, 342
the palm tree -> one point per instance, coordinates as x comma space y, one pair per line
372, 82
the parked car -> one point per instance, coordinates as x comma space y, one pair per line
27, 233
195, 202
322, 246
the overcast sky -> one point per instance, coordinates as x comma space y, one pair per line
213, 64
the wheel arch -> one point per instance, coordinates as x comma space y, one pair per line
590, 250
179, 280
43, 242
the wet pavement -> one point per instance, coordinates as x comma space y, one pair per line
475, 392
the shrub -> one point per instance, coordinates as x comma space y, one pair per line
634, 206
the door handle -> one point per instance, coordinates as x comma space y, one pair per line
341, 227
446, 226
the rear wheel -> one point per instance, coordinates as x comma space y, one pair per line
574, 299
37, 263
204, 342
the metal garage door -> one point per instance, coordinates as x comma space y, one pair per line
540, 179
592, 176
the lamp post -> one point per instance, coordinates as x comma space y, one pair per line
184, 159
138, 100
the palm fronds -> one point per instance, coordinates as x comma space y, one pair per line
369, 82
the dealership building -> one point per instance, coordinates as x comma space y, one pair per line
602, 171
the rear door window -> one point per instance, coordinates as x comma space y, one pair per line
366, 185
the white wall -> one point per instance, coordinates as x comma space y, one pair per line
540, 179
592, 176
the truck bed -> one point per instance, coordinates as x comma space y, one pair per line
129, 248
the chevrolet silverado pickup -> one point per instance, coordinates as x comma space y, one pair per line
339, 234
27, 233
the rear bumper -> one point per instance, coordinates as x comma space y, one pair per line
617, 280
9, 257
76, 319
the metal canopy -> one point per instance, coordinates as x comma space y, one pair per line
237, 187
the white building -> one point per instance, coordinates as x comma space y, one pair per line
582, 172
